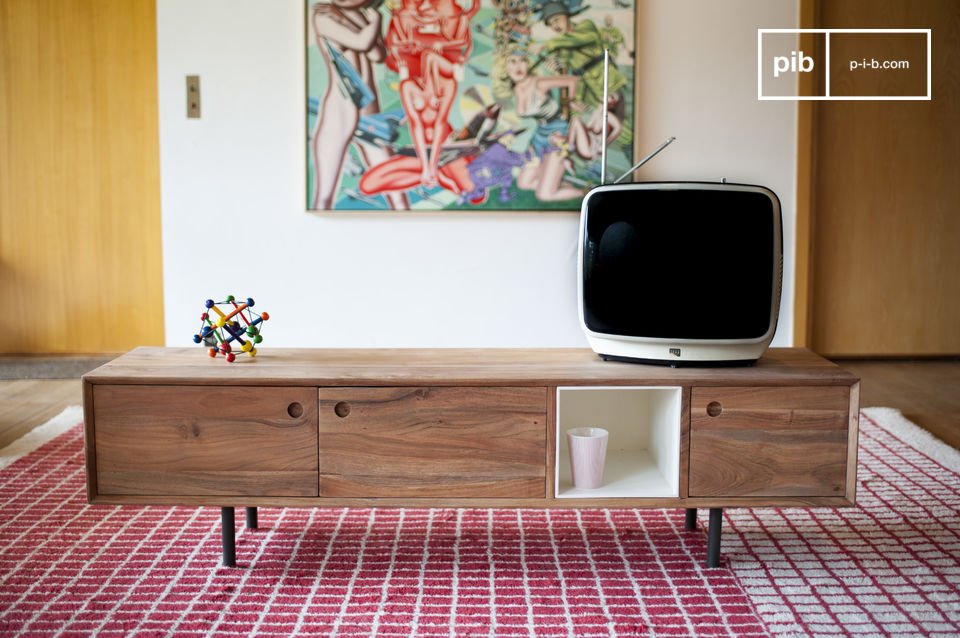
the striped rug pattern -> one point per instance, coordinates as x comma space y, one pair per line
69, 569
891, 566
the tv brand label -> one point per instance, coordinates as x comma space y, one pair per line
796, 64
675, 352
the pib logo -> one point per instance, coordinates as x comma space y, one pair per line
796, 62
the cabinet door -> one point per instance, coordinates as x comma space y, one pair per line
769, 441
433, 442
230, 441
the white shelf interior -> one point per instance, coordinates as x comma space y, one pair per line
643, 449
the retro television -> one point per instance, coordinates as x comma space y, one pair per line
680, 273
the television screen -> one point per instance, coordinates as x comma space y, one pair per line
678, 263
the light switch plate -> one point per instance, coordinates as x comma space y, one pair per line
193, 96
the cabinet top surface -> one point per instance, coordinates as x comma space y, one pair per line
481, 366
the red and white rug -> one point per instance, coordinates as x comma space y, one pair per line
887, 567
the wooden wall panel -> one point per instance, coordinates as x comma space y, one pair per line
80, 263
806, 138
886, 201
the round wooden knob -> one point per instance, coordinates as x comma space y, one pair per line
341, 409
295, 410
714, 408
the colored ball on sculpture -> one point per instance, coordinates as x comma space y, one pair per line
253, 352
257, 339
230, 298
249, 302
204, 317
196, 339
251, 330
208, 303
212, 352
231, 357
247, 347
264, 316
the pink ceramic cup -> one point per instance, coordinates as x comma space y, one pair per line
588, 451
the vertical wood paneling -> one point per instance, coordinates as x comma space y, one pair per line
806, 143
80, 267
887, 201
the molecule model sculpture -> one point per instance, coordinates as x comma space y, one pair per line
220, 327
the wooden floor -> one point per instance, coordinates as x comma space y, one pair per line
927, 392
27, 403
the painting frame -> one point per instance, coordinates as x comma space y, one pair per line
483, 105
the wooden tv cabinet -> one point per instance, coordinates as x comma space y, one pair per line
465, 428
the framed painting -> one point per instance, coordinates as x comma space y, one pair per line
465, 104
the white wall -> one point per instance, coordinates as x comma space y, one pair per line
233, 187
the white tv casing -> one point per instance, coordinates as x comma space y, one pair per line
684, 351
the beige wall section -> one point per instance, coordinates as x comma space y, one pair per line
80, 260
886, 201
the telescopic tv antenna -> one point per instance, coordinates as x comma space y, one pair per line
646, 159
605, 106
603, 136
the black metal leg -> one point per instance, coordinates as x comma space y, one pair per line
691, 520
251, 518
228, 536
713, 537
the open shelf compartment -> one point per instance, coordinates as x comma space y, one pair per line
643, 449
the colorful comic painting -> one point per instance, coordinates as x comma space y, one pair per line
465, 104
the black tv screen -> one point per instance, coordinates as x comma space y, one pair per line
679, 263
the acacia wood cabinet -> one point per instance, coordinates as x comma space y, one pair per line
205, 440
465, 428
783, 441
462, 442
